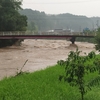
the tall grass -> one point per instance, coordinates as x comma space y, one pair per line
42, 85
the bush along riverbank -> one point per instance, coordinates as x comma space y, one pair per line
78, 67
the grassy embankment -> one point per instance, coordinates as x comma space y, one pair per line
43, 85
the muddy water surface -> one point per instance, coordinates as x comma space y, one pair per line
39, 53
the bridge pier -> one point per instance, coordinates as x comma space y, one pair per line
18, 42
73, 40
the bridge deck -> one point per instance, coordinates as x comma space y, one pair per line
43, 35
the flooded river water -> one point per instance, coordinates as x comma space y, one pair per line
39, 53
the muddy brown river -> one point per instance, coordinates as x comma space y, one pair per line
39, 53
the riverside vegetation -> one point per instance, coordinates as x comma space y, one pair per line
78, 67
45, 84
11, 20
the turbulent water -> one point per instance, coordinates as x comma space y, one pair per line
39, 53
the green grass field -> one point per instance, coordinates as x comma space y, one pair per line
43, 85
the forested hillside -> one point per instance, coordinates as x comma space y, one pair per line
43, 22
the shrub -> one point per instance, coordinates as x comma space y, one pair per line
77, 67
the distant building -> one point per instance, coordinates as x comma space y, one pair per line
60, 31
63, 30
86, 30
50, 31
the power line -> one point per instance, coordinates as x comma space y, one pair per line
69, 2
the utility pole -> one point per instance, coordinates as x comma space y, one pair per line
97, 23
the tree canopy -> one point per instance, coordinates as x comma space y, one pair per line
97, 40
10, 18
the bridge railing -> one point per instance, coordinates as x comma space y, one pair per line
68, 33
13, 33
44, 33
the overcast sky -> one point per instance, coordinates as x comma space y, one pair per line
88, 8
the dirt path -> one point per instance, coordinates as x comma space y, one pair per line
39, 53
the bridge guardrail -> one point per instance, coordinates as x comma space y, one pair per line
44, 33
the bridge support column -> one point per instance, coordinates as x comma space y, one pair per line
18, 42
73, 40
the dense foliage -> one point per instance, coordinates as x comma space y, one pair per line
78, 67
97, 40
90, 40
10, 18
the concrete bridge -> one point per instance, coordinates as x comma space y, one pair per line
44, 35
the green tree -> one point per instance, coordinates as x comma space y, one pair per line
32, 27
77, 69
97, 40
10, 18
